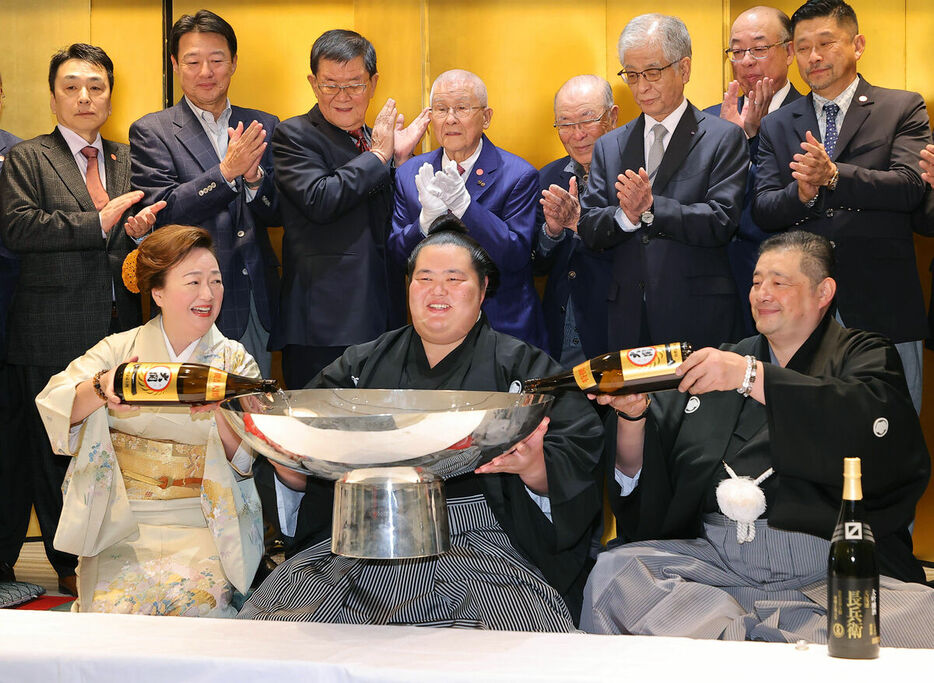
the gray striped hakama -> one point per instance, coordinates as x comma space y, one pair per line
481, 582
773, 589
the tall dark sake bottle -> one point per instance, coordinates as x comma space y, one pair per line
852, 576
630, 371
174, 383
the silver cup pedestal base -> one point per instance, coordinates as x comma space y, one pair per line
389, 513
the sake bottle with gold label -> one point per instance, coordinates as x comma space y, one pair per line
630, 371
852, 576
174, 383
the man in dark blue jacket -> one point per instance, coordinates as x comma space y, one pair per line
578, 278
760, 54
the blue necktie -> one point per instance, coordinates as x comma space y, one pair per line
830, 134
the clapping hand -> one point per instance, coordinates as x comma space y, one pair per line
755, 106
812, 168
561, 207
406, 138
927, 165
429, 196
138, 225
453, 189
634, 192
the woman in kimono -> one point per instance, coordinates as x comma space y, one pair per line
521, 524
158, 501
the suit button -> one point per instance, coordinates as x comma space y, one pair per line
829, 213
245, 271
240, 233
645, 239
571, 275
833, 245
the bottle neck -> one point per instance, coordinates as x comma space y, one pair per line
852, 488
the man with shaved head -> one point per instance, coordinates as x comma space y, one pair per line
578, 278
663, 198
760, 54
494, 192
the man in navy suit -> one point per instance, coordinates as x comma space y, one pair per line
665, 194
209, 161
494, 192
843, 163
335, 177
760, 53
574, 303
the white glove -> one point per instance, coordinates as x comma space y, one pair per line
453, 189
429, 196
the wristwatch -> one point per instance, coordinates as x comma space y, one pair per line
647, 217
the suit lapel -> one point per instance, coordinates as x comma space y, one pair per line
484, 173
191, 135
631, 149
856, 115
683, 140
59, 155
805, 119
117, 169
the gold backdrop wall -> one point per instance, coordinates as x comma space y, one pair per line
523, 49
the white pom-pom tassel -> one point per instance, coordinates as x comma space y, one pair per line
743, 501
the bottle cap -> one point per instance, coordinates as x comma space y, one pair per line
851, 467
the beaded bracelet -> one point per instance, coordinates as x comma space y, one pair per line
752, 367
96, 383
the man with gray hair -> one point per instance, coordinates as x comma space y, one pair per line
665, 194
492, 191
574, 303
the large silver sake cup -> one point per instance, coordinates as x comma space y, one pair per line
389, 512
389, 449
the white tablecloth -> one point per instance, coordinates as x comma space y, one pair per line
104, 648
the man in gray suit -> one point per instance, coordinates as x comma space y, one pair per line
65, 200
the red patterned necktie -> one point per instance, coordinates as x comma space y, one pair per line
460, 169
359, 139
93, 179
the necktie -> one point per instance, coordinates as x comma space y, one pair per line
359, 139
656, 151
93, 179
460, 169
830, 132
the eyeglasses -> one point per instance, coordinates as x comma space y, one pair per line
757, 52
461, 111
351, 89
578, 125
651, 75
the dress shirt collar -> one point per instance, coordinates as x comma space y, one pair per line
779, 97
468, 163
842, 100
670, 122
186, 353
207, 118
574, 168
76, 143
